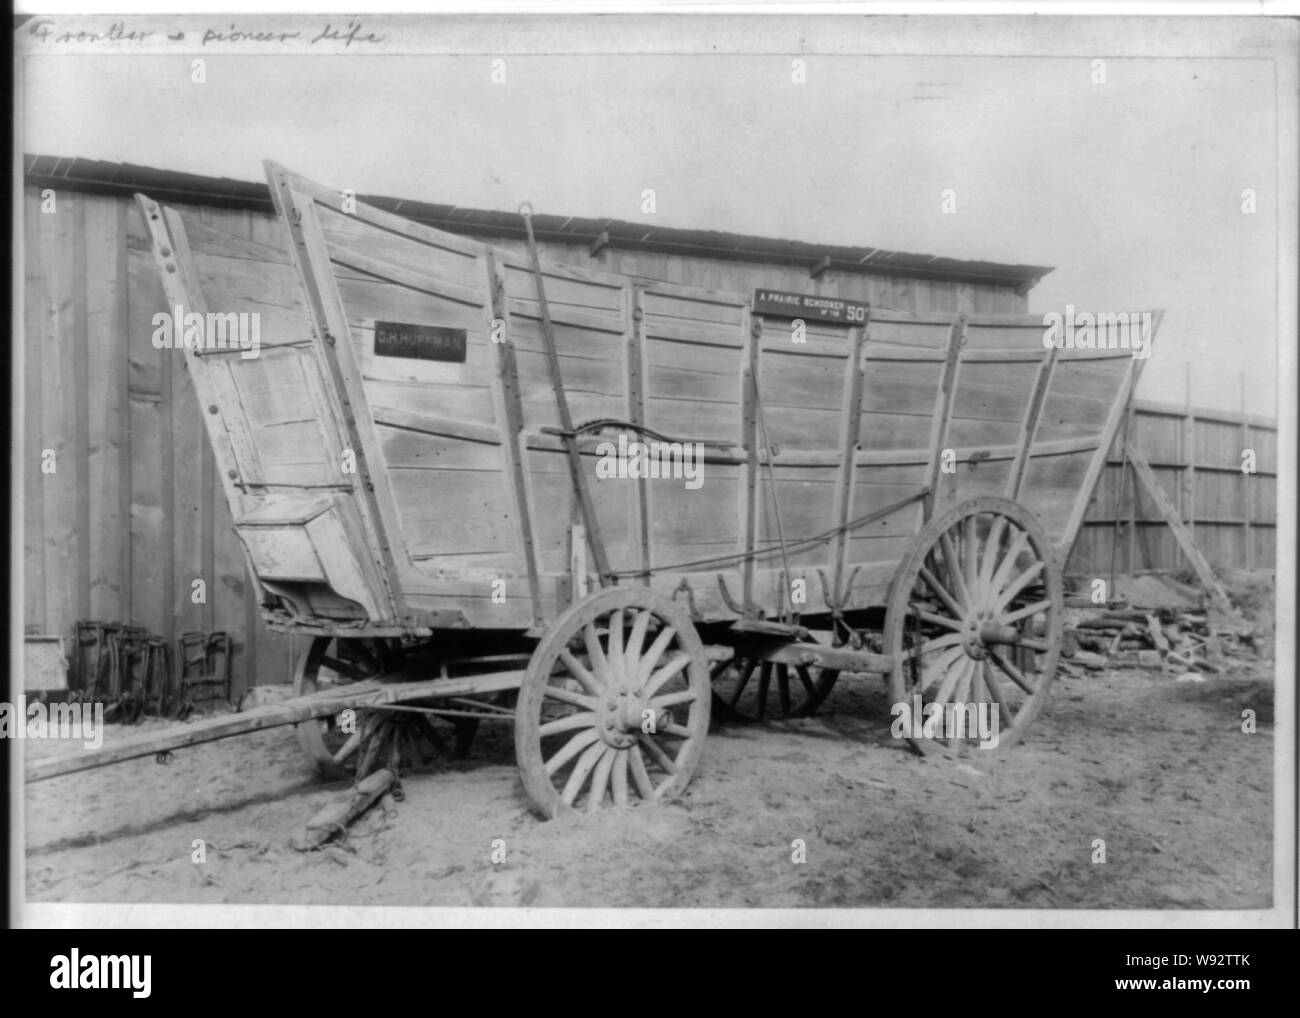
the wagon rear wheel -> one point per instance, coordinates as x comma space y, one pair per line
974, 618
614, 705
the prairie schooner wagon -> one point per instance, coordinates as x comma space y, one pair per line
429, 463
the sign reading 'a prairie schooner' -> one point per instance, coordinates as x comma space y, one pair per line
419, 342
810, 307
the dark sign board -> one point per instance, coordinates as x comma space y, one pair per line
419, 342
810, 307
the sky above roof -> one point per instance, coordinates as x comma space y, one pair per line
1132, 188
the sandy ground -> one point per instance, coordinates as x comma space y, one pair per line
1158, 769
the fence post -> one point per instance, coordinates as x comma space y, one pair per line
1187, 506
1245, 483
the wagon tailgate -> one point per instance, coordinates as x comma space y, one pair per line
272, 419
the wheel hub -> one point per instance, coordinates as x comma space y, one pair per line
621, 713
972, 634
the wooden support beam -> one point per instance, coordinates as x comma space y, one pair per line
357, 696
577, 478
1142, 471
1130, 534
1029, 426
749, 438
820, 267
851, 414
232, 447
600, 243
334, 350
1107, 439
509, 408
943, 412
636, 372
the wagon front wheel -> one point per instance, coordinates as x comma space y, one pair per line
974, 624
336, 745
331, 744
614, 705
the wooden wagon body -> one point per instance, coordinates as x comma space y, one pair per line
435, 439
461, 510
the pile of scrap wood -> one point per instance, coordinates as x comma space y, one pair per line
1160, 639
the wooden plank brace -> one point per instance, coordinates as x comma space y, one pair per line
578, 478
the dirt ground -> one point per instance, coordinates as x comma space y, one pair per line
1159, 769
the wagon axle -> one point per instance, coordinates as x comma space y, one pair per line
982, 629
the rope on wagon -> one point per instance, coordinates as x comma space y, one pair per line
806, 542
604, 423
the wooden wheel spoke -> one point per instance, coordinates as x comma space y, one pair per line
618, 778
579, 671
349, 747
963, 693
1035, 644
995, 691
583, 719
939, 642
657, 754
1026, 612
635, 642
1015, 549
939, 666
1013, 673
617, 669
806, 680
750, 665
953, 565
570, 749
938, 620
346, 668
596, 654
651, 657
681, 731
948, 600
764, 681
1019, 584
783, 688
974, 694
949, 685
970, 547
640, 776
571, 698
674, 667
581, 770
992, 546
660, 703
600, 780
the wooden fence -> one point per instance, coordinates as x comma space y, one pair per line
1197, 456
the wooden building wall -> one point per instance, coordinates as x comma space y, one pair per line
901, 293
133, 514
